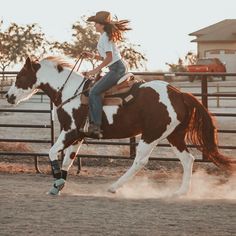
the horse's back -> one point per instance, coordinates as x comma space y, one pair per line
164, 93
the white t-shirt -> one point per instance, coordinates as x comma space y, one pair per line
105, 45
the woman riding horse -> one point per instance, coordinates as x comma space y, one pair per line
110, 33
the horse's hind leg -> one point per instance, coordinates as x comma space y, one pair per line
179, 147
143, 153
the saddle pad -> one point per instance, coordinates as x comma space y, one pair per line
121, 88
106, 101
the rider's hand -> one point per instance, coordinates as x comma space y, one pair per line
88, 54
87, 75
91, 72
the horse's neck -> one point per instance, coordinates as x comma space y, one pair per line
52, 81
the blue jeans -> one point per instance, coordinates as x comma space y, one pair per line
116, 71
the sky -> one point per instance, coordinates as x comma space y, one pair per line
160, 27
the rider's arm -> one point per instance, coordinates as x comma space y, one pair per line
92, 55
106, 61
98, 57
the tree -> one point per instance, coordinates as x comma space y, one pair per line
179, 67
189, 59
85, 38
17, 42
132, 56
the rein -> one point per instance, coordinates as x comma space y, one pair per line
75, 94
62, 87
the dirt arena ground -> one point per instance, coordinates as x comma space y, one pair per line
142, 207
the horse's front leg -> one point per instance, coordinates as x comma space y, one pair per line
65, 139
71, 153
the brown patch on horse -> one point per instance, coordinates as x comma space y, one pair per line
156, 118
177, 101
126, 122
52, 93
26, 78
72, 155
146, 115
177, 139
64, 119
72, 137
80, 115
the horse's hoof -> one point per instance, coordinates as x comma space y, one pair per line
57, 187
54, 192
111, 190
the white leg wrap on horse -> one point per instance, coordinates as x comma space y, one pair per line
186, 160
143, 152
58, 145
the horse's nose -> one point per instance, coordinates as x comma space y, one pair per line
7, 96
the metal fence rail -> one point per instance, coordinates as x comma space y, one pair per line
204, 95
13, 140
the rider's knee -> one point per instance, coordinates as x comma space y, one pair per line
93, 92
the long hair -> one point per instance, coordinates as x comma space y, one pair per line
115, 29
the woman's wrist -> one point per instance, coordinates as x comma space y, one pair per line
93, 56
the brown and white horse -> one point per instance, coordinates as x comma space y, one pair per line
158, 111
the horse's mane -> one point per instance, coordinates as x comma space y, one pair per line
59, 62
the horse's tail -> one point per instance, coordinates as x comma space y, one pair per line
201, 131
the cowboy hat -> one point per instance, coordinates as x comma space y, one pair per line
102, 17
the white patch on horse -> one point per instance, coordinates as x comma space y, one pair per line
48, 71
161, 88
110, 111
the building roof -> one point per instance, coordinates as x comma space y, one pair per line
222, 31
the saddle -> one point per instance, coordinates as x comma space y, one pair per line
119, 94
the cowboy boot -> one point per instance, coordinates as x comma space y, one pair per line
94, 131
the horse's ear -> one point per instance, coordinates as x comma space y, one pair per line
35, 65
28, 62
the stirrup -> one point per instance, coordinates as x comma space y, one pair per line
92, 134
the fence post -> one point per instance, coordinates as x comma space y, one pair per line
52, 115
204, 91
1, 87
36, 165
204, 94
132, 147
218, 98
79, 163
